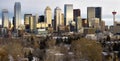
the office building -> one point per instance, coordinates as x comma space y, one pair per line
26, 18
93, 12
48, 16
102, 25
90, 15
35, 21
27, 21
76, 13
5, 18
95, 23
41, 19
57, 18
62, 19
42, 25
31, 23
17, 14
78, 24
98, 13
76, 16
68, 13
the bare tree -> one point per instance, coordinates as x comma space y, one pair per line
87, 50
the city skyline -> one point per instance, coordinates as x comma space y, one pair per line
38, 8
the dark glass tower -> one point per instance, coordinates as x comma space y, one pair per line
98, 12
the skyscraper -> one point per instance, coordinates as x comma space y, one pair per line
62, 19
17, 14
68, 11
5, 18
31, 22
98, 13
41, 19
27, 21
76, 13
78, 26
48, 16
90, 15
93, 12
35, 21
77, 18
58, 18
26, 18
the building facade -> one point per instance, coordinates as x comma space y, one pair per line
31, 22
5, 18
90, 15
48, 16
57, 18
76, 13
94, 12
17, 14
26, 18
78, 24
98, 13
68, 13
77, 19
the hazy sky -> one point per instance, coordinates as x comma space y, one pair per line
38, 6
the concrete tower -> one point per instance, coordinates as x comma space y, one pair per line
114, 13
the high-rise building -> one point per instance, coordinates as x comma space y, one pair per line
78, 23
58, 18
27, 21
41, 19
26, 18
31, 22
90, 14
35, 21
77, 18
5, 18
95, 23
98, 13
68, 13
62, 19
93, 12
17, 14
48, 16
76, 13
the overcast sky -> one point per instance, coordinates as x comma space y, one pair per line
38, 6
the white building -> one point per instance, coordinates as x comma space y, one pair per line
58, 18
5, 18
48, 16
68, 11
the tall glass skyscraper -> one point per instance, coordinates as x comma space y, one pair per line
17, 15
5, 18
98, 13
68, 10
